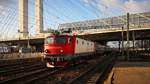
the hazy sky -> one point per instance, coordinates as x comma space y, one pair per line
64, 11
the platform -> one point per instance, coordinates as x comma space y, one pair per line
14, 56
131, 73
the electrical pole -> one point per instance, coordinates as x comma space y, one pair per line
119, 45
122, 42
133, 39
28, 46
127, 36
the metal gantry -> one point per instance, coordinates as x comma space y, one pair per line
136, 20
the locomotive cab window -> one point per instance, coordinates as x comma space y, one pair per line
61, 40
70, 40
49, 40
82, 42
77, 41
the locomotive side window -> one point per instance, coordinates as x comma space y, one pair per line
49, 40
82, 42
61, 40
70, 40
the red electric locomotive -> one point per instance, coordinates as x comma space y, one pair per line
65, 50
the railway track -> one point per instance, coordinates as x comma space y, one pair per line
48, 76
35, 75
56, 75
64, 76
10, 71
25, 78
23, 72
10, 67
95, 74
23, 69
13, 64
43, 75
22, 77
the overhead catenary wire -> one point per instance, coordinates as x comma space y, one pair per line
95, 12
49, 13
80, 7
55, 8
7, 20
9, 14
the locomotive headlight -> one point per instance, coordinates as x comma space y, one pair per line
61, 51
47, 51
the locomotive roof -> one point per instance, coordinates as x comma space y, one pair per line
59, 35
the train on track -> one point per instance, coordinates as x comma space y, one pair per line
66, 50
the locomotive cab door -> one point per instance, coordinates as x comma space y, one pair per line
71, 45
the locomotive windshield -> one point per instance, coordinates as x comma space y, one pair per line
49, 40
59, 40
